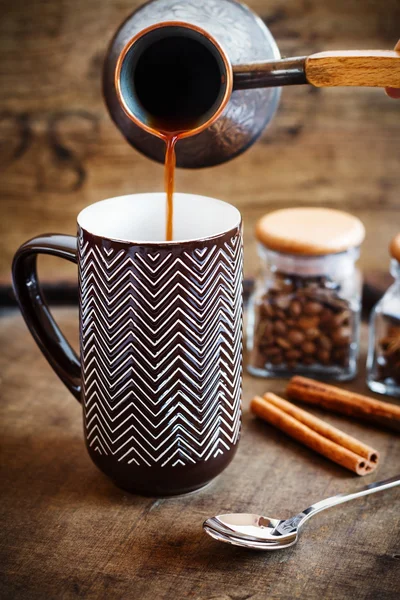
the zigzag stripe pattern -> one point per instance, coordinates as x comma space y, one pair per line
161, 349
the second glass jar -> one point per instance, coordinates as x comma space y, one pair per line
383, 364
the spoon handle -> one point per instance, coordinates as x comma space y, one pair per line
345, 497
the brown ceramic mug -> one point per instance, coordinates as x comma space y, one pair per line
159, 373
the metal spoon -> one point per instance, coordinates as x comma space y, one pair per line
263, 533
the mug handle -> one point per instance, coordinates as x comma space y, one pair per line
35, 311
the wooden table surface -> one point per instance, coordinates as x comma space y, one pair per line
68, 532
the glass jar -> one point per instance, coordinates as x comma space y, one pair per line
383, 362
304, 314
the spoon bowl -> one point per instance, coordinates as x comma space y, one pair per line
252, 531
258, 532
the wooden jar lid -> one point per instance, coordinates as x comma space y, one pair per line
310, 231
394, 247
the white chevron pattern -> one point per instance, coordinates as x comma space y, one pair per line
161, 348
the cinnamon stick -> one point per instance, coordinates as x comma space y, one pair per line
331, 433
269, 412
342, 401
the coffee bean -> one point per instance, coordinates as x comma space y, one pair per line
268, 326
279, 327
324, 342
341, 356
324, 357
265, 328
312, 333
308, 322
326, 319
308, 348
282, 302
291, 355
267, 310
282, 343
295, 308
296, 337
341, 337
267, 343
341, 318
280, 314
338, 304
273, 351
313, 308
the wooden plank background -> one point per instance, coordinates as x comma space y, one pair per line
59, 150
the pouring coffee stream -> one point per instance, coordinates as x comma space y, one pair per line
207, 75
170, 160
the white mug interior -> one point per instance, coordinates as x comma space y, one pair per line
141, 218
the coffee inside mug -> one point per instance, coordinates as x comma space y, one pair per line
141, 218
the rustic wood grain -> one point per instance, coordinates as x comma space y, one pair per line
376, 68
67, 532
59, 150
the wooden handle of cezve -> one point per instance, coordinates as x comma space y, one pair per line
372, 68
